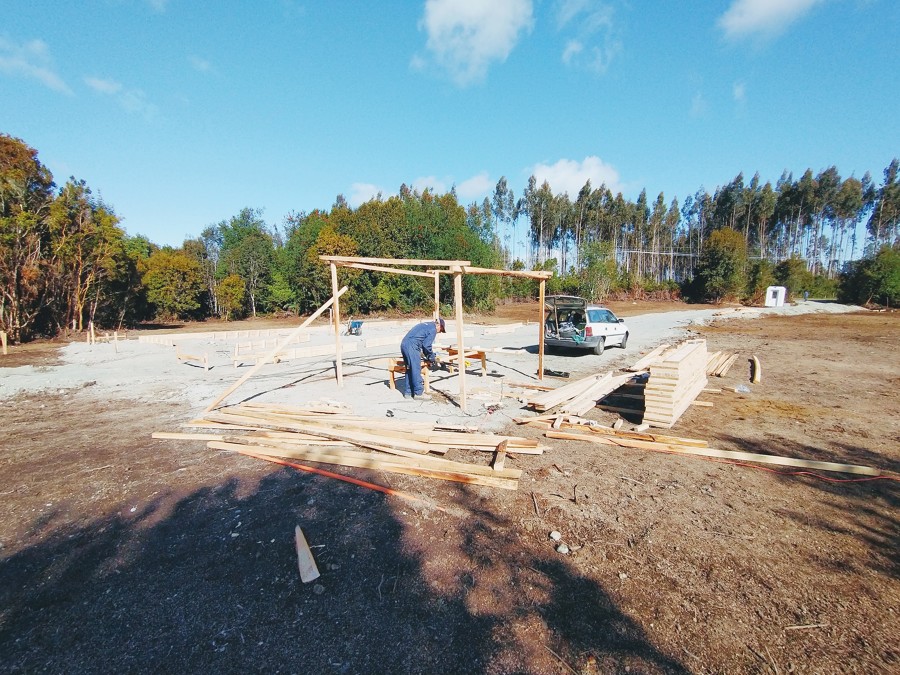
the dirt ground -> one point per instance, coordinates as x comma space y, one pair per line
123, 554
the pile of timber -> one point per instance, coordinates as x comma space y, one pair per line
674, 382
332, 436
719, 363
580, 396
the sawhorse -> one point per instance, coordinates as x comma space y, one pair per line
398, 366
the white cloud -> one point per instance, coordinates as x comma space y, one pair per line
594, 42
360, 193
430, 183
131, 100
764, 17
199, 64
466, 36
476, 187
698, 105
739, 92
158, 5
103, 86
572, 50
31, 60
568, 175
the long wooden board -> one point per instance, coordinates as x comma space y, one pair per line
723, 454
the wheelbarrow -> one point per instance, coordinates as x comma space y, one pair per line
354, 327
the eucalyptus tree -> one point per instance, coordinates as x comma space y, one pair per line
849, 205
653, 266
538, 205
86, 245
670, 227
505, 210
582, 208
26, 193
884, 222
828, 184
248, 250
764, 210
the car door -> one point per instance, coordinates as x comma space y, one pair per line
612, 329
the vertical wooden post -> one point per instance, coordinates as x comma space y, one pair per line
461, 354
338, 363
3, 341
437, 295
541, 330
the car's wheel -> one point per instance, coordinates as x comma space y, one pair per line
624, 341
600, 346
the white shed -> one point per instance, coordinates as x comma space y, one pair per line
775, 296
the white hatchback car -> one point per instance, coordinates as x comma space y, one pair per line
572, 322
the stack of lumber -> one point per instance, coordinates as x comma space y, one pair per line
650, 358
578, 397
674, 382
332, 436
719, 363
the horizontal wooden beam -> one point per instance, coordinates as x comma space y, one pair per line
526, 274
338, 259
389, 270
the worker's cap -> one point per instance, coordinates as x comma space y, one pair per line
442, 326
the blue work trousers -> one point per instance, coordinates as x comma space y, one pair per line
412, 359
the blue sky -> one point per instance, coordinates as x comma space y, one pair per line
180, 113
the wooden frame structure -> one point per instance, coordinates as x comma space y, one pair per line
436, 267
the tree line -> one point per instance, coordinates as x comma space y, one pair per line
65, 261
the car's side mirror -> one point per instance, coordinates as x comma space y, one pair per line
621, 320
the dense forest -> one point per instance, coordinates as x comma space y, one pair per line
65, 261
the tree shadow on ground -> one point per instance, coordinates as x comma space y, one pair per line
861, 507
207, 582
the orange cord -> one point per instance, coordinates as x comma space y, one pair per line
329, 474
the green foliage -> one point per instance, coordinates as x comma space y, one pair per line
794, 275
599, 273
760, 276
232, 290
174, 282
875, 279
720, 271
247, 249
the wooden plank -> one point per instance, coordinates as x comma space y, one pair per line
305, 561
395, 261
275, 351
524, 274
541, 329
722, 454
375, 463
644, 362
389, 270
313, 453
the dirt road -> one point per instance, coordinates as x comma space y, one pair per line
119, 553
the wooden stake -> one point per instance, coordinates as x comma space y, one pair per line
541, 329
305, 561
338, 361
461, 356
755, 370
3, 341
287, 340
499, 456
